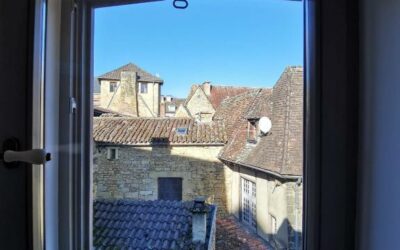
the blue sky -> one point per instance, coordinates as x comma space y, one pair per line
227, 42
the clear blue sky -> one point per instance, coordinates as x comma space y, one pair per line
229, 42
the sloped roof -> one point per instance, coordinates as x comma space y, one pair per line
280, 151
155, 131
220, 93
138, 224
142, 74
234, 108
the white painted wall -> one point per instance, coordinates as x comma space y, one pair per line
379, 204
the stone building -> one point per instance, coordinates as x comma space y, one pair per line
204, 99
155, 158
169, 106
256, 177
130, 90
266, 179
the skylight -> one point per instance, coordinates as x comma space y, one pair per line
181, 131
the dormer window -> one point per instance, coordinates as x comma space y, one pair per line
252, 131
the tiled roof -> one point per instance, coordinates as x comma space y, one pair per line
100, 111
142, 75
151, 131
233, 108
281, 150
137, 224
220, 93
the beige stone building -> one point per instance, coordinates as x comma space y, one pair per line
154, 158
266, 181
130, 90
204, 99
255, 176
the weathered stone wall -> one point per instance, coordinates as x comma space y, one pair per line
295, 214
199, 103
134, 174
274, 197
149, 103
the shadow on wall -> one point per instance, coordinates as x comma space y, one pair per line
135, 172
294, 237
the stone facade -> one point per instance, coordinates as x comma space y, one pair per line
275, 198
121, 91
134, 174
200, 106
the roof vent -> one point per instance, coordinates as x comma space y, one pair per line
181, 131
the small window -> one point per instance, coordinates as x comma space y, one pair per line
249, 205
143, 88
252, 131
170, 189
181, 131
171, 108
113, 86
112, 154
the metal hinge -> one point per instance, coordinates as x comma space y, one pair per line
72, 105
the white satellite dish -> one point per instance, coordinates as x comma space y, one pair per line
265, 125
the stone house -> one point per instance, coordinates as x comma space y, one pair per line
169, 106
204, 99
130, 90
160, 158
266, 179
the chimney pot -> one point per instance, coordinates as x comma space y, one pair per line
199, 220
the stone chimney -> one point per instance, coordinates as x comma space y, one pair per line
207, 88
125, 99
199, 220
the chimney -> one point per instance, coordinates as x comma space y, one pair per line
199, 220
169, 98
207, 88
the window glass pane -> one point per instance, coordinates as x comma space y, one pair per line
188, 140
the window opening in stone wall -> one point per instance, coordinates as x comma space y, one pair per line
143, 88
170, 189
113, 87
197, 123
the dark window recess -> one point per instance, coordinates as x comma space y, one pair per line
143, 88
113, 86
170, 189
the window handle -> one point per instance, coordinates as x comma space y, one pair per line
11, 155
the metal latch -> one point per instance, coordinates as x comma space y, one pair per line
11, 155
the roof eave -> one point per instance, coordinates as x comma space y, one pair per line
279, 175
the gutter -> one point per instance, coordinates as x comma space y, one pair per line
289, 177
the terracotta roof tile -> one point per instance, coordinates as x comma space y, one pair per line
147, 131
281, 150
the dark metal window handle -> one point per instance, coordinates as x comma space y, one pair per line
11, 155
34, 156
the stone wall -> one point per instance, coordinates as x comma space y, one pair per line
274, 198
149, 103
134, 174
199, 103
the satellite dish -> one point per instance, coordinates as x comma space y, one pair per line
265, 125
